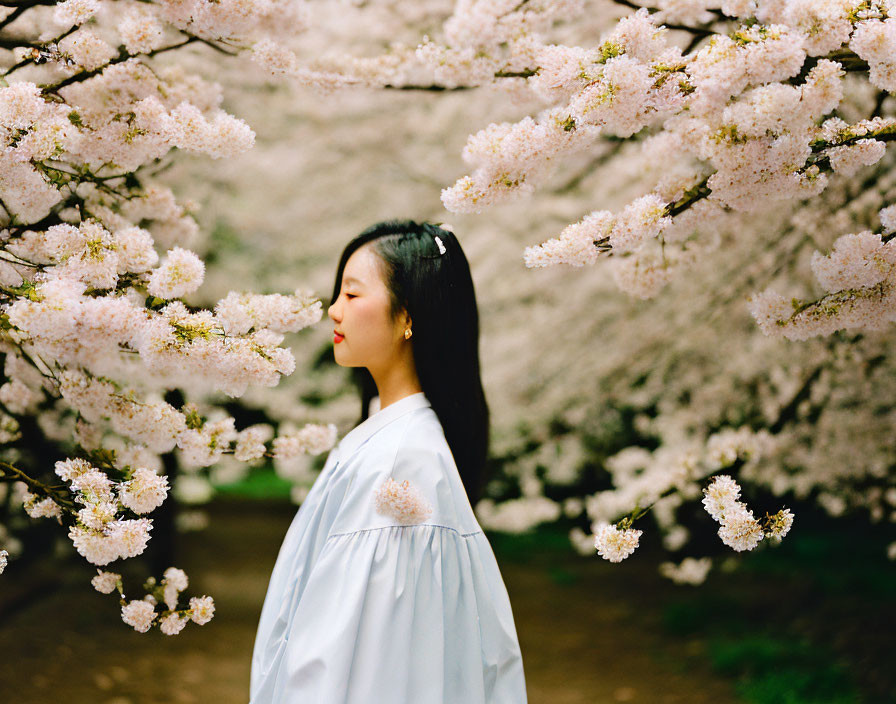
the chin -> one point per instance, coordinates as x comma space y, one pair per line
343, 362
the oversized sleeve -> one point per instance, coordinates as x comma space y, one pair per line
398, 615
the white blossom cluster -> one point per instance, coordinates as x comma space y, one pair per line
102, 532
743, 110
63, 320
779, 145
141, 614
641, 220
739, 529
240, 313
692, 360
662, 480
859, 276
312, 439
874, 39
96, 255
516, 515
250, 442
613, 544
38, 507
690, 570
402, 501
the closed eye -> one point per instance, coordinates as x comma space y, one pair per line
349, 295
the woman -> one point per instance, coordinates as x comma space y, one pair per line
386, 590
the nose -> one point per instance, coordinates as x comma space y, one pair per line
330, 313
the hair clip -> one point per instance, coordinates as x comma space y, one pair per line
442, 249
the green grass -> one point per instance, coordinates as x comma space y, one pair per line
767, 666
538, 543
747, 637
770, 669
259, 483
804, 623
858, 550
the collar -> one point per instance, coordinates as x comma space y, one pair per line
361, 432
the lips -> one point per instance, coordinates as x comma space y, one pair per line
337, 336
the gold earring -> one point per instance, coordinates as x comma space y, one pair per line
407, 333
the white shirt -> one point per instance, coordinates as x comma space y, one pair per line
364, 608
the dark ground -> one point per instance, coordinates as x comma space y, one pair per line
586, 635
811, 621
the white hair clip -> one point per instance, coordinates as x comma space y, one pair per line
442, 249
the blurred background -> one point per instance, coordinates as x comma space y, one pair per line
575, 372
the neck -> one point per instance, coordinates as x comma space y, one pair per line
396, 384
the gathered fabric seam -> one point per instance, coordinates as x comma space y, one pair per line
399, 525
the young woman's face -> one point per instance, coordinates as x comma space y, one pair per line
367, 336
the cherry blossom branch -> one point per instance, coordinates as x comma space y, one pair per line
432, 88
694, 194
11, 473
847, 59
123, 56
877, 111
600, 160
701, 190
653, 10
37, 50
15, 14
823, 161
27, 3
15, 259
437, 88
788, 410
16, 43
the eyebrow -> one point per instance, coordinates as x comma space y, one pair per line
350, 279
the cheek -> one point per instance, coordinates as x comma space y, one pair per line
370, 318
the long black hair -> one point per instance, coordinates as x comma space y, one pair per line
436, 290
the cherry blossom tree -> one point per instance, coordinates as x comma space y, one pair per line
741, 111
733, 114
746, 113
94, 328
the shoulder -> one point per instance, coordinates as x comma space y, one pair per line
423, 438
416, 439
407, 476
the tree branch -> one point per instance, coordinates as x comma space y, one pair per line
13, 16
788, 411
433, 88
653, 10
599, 160
849, 61
15, 474
121, 58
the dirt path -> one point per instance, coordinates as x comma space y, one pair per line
586, 635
